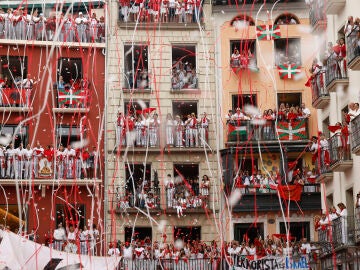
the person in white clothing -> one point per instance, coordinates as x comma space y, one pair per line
154, 125
38, 153
69, 154
27, 86
40, 26
28, 155
10, 158
170, 123
93, 28
170, 190
59, 237
204, 128
113, 250
81, 23
305, 111
191, 135
19, 161
2, 161
343, 216
71, 245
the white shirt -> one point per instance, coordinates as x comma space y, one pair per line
306, 112
59, 234
314, 147
113, 252
79, 20
127, 253
28, 153
324, 144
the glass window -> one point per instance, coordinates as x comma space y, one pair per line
136, 66
298, 230
71, 70
184, 108
287, 51
13, 69
187, 233
69, 134
184, 67
290, 99
243, 53
71, 214
248, 231
136, 107
20, 135
239, 101
138, 233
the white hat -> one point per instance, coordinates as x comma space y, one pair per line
80, 13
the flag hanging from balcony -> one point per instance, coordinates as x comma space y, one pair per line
268, 32
71, 97
293, 130
237, 130
13, 96
290, 192
288, 71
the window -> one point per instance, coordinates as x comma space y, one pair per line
14, 68
249, 165
9, 215
289, 99
71, 214
239, 101
184, 67
184, 108
69, 134
287, 51
71, 70
20, 135
136, 66
137, 177
135, 107
287, 18
243, 53
139, 233
298, 230
325, 127
187, 233
186, 180
248, 231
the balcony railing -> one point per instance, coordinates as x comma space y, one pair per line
353, 50
15, 97
339, 151
245, 130
147, 199
343, 231
335, 70
185, 204
355, 134
45, 30
317, 16
190, 81
244, 62
320, 95
147, 136
161, 13
180, 264
266, 199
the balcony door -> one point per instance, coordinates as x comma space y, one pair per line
248, 231
297, 229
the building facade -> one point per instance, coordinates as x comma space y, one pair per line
161, 127
52, 99
338, 120
265, 52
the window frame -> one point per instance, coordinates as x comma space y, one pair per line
81, 220
287, 40
180, 102
69, 134
25, 138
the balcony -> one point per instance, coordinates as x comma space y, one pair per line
242, 64
147, 200
72, 100
181, 264
145, 17
266, 199
147, 138
335, 74
317, 17
325, 174
353, 50
344, 231
335, 6
340, 157
15, 100
49, 29
184, 83
320, 95
355, 135
243, 131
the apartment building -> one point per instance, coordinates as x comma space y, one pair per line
265, 52
161, 125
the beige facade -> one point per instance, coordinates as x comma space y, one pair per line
161, 41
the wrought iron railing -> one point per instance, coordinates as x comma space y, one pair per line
343, 231
318, 88
355, 132
178, 264
191, 202
148, 199
245, 130
15, 97
335, 69
352, 46
338, 148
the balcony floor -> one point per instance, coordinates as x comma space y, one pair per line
321, 102
355, 63
324, 177
341, 165
334, 84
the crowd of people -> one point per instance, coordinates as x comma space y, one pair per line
37, 162
245, 59
286, 112
177, 11
184, 76
23, 24
142, 129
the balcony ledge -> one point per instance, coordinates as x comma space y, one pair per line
137, 90
335, 6
341, 165
356, 150
51, 181
71, 110
163, 26
15, 109
41, 43
321, 102
186, 91
160, 149
324, 177
334, 84
354, 64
